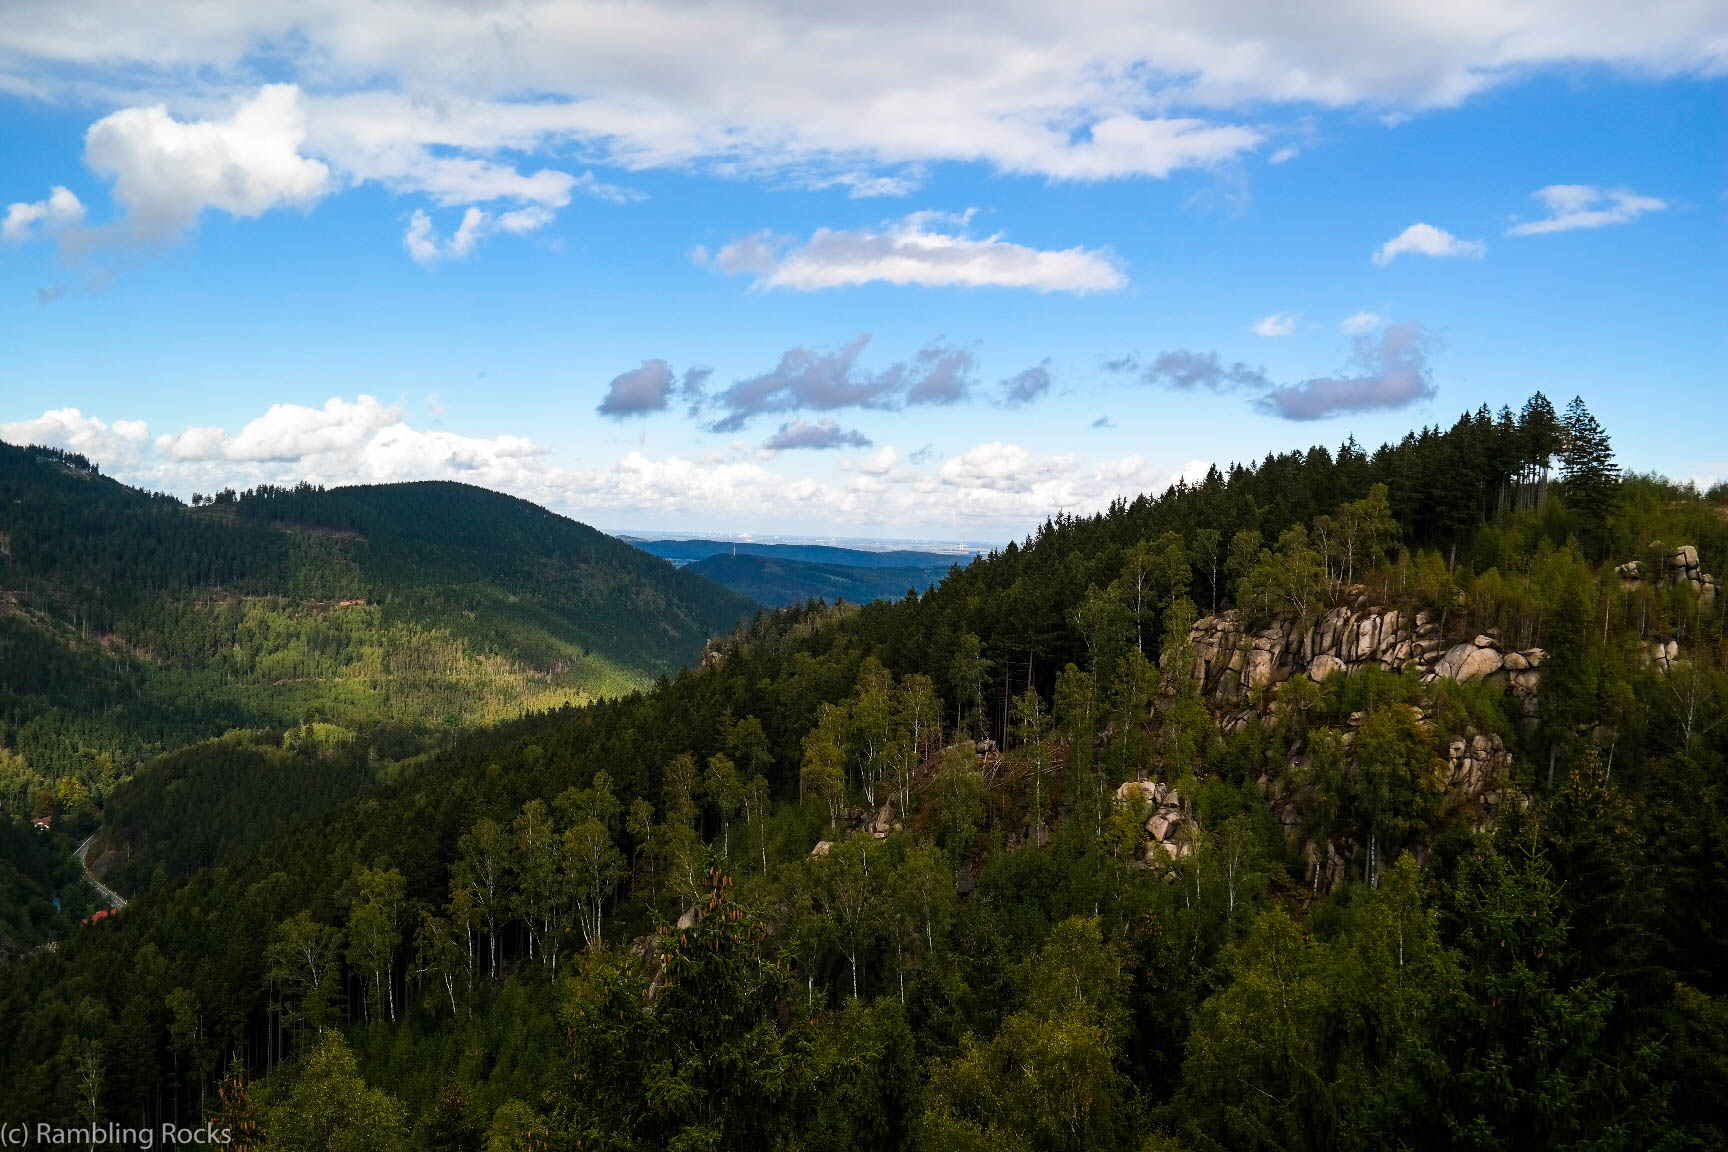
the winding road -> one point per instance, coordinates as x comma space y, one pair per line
115, 900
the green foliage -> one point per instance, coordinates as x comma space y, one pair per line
989, 951
704, 1063
136, 624
329, 1108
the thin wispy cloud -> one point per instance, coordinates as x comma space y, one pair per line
1388, 370
821, 435
926, 248
423, 243
1187, 371
1575, 206
1026, 386
1277, 324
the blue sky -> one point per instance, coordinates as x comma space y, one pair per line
752, 268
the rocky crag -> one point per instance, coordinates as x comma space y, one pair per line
1232, 662
1673, 566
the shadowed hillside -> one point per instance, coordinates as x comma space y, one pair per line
131, 622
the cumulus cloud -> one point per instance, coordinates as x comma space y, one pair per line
859, 95
638, 391
1277, 324
59, 211
421, 238
927, 248
287, 432
878, 463
1426, 240
344, 442
997, 486
118, 446
1571, 206
1363, 321
1388, 369
825, 433
806, 380
167, 171
1026, 386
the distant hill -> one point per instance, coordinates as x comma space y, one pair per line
131, 622
780, 582
688, 551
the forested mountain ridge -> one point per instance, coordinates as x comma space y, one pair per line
779, 583
1016, 864
131, 622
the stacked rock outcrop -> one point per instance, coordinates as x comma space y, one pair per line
1167, 825
1675, 566
1230, 662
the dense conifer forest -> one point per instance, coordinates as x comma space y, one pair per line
1347, 799
132, 623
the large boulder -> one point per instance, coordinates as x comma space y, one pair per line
1467, 662
1323, 666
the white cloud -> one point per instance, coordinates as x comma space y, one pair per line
927, 248
1359, 322
878, 463
1571, 206
1277, 324
992, 487
60, 210
119, 445
430, 97
287, 432
167, 171
1426, 240
755, 254
1284, 155
421, 240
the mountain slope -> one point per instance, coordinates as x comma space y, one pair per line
131, 622
1015, 863
779, 582
687, 551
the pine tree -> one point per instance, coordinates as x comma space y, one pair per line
1539, 429
1588, 468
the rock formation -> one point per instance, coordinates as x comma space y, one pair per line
1675, 566
1230, 662
1167, 827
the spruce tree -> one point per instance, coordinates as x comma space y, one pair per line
1588, 468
